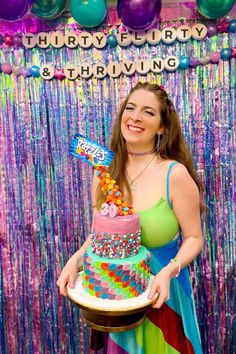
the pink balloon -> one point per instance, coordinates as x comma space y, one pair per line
215, 57
6, 68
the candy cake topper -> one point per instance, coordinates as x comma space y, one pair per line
100, 158
89, 151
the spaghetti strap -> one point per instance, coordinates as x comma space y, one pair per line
168, 183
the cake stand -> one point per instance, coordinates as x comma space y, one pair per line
110, 315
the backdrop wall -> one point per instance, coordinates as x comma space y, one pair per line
45, 208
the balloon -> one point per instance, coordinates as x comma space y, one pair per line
214, 8
6, 68
215, 57
1, 39
34, 71
232, 26
16, 70
13, 10
111, 40
0, 68
17, 39
88, 13
194, 62
184, 62
48, 9
225, 53
25, 72
204, 61
211, 31
139, 15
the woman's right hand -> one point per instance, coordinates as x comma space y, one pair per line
69, 274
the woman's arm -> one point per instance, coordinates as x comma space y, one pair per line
185, 200
69, 272
186, 205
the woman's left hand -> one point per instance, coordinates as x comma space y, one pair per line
160, 286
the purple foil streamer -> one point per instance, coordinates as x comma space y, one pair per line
45, 205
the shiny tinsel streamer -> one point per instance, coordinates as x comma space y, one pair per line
45, 194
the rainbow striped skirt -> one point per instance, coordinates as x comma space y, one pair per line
173, 328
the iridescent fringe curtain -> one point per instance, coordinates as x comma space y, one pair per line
45, 206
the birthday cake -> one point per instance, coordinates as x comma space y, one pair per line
115, 266
115, 237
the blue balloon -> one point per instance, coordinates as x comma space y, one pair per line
111, 40
1, 39
225, 53
48, 9
184, 62
0, 68
214, 8
88, 13
232, 26
34, 71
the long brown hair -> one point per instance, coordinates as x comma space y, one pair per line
172, 143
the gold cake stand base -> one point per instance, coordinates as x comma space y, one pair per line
110, 315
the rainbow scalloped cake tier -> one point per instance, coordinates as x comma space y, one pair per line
116, 279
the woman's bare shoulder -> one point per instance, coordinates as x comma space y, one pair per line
182, 179
178, 167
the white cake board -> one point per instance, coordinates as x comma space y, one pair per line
83, 299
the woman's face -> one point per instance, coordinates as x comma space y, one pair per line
141, 121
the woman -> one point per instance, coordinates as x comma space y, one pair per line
154, 170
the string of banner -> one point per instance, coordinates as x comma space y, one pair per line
99, 40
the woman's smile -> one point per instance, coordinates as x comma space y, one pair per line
135, 128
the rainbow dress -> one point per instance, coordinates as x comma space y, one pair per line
173, 328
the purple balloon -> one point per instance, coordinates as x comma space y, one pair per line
17, 39
14, 10
211, 31
194, 62
25, 72
139, 14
